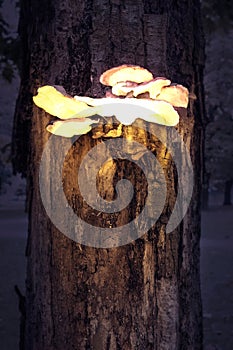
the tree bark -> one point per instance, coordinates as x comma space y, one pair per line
146, 294
227, 192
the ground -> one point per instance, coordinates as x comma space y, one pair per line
216, 273
13, 228
217, 277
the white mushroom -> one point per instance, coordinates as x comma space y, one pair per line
129, 109
159, 112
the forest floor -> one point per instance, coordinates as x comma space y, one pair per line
216, 273
13, 233
217, 276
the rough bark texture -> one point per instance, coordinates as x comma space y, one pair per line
145, 295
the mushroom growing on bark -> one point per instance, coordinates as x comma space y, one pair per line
72, 113
153, 87
70, 127
125, 73
132, 81
60, 104
128, 110
152, 99
175, 94
124, 88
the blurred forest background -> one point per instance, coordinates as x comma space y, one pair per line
217, 21
12, 187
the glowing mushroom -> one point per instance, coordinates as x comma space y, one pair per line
59, 104
152, 99
154, 87
127, 78
124, 88
175, 94
125, 73
129, 109
159, 112
71, 127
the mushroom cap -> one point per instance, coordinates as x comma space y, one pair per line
71, 127
153, 86
163, 113
176, 94
57, 103
123, 88
126, 110
124, 73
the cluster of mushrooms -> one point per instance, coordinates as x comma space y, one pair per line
135, 94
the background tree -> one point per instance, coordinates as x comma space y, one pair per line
218, 19
219, 153
9, 61
144, 295
9, 46
218, 85
218, 16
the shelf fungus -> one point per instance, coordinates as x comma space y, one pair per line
70, 127
128, 110
124, 73
133, 81
55, 101
135, 94
177, 95
152, 87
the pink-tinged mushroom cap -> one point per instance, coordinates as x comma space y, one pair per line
177, 95
125, 73
154, 87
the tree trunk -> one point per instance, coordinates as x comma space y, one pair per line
227, 192
146, 294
